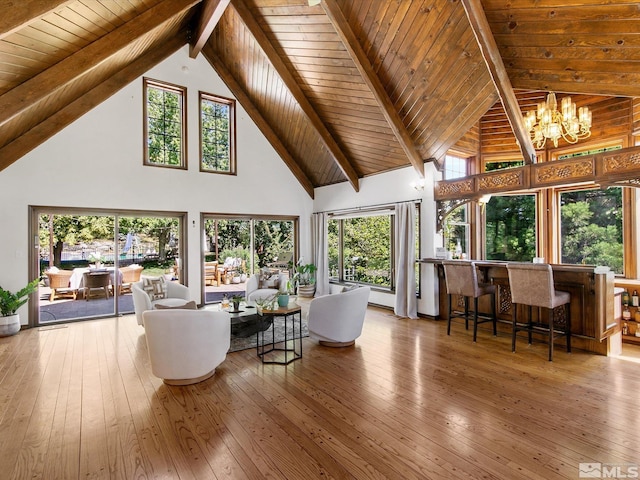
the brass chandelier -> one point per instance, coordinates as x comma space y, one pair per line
549, 123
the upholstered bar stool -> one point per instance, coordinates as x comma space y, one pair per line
461, 277
532, 284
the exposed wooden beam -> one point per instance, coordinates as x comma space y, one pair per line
297, 93
359, 57
210, 15
259, 120
16, 15
56, 122
489, 49
93, 55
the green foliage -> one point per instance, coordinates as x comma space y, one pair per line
272, 238
10, 302
510, 228
164, 123
216, 151
305, 274
591, 228
366, 249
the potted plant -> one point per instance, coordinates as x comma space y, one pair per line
283, 295
9, 304
236, 299
305, 279
243, 273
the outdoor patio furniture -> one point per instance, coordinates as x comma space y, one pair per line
59, 284
94, 281
212, 274
259, 287
130, 274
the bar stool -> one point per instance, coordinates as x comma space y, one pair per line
532, 284
461, 277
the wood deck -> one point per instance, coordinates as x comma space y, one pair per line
79, 401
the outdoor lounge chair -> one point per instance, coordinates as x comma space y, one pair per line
130, 274
59, 284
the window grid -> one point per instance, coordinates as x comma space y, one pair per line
217, 146
164, 125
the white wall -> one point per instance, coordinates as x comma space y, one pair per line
386, 188
97, 162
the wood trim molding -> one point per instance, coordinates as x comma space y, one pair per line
617, 168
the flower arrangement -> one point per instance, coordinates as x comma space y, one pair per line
95, 257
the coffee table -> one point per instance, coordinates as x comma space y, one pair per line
246, 322
283, 354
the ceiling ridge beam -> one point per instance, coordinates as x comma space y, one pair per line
14, 17
244, 99
46, 129
48, 82
297, 93
360, 59
210, 15
493, 59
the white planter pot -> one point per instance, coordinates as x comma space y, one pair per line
9, 325
306, 290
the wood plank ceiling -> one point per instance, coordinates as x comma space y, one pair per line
342, 89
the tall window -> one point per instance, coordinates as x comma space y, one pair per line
165, 125
591, 228
510, 228
361, 248
456, 226
217, 134
454, 167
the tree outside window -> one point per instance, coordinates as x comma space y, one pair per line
165, 129
510, 228
217, 133
591, 228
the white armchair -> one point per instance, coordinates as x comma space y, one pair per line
336, 320
186, 346
254, 292
177, 294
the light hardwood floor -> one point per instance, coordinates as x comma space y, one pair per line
407, 402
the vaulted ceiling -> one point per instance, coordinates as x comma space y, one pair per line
342, 89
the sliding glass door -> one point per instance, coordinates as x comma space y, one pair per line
87, 261
234, 248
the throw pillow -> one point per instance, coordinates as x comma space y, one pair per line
348, 287
187, 306
156, 288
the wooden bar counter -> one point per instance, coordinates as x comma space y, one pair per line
593, 324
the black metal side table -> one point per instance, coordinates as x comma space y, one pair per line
291, 353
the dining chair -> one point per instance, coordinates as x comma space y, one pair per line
96, 280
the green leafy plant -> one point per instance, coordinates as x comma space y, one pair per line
237, 298
305, 274
10, 302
